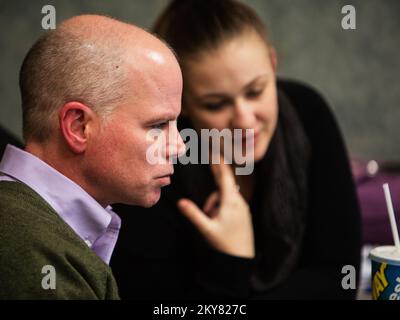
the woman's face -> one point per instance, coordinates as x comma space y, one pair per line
234, 87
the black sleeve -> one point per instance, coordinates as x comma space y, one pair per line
160, 255
219, 275
333, 233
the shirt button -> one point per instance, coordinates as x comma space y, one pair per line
88, 243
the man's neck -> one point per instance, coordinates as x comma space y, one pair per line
65, 162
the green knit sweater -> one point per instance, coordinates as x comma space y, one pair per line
33, 236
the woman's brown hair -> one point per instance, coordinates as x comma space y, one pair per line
191, 27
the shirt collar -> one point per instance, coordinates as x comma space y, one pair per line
73, 204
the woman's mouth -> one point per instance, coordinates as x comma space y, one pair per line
250, 138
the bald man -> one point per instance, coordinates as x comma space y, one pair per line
91, 90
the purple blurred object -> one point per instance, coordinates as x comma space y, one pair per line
369, 177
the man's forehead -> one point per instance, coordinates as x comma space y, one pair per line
165, 110
156, 87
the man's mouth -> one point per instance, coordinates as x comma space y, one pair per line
165, 179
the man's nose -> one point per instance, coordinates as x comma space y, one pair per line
176, 146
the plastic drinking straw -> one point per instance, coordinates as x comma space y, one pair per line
392, 218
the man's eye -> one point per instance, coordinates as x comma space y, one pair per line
160, 125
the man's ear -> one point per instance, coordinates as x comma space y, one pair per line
74, 118
273, 57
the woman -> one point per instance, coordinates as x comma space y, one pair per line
300, 198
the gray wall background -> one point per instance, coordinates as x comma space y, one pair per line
356, 70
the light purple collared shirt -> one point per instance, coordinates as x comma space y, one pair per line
98, 227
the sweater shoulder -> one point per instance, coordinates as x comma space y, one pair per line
33, 237
303, 96
313, 110
24, 212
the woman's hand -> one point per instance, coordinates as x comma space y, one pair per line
225, 221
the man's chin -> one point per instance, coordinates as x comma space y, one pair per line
147, 200
152, 199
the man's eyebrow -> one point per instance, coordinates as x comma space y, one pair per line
162, 118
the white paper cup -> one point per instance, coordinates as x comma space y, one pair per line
385, 271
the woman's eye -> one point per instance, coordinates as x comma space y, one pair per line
254, 93
215, 106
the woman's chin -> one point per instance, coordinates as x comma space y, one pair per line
261, 149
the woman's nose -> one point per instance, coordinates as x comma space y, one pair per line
243, 115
